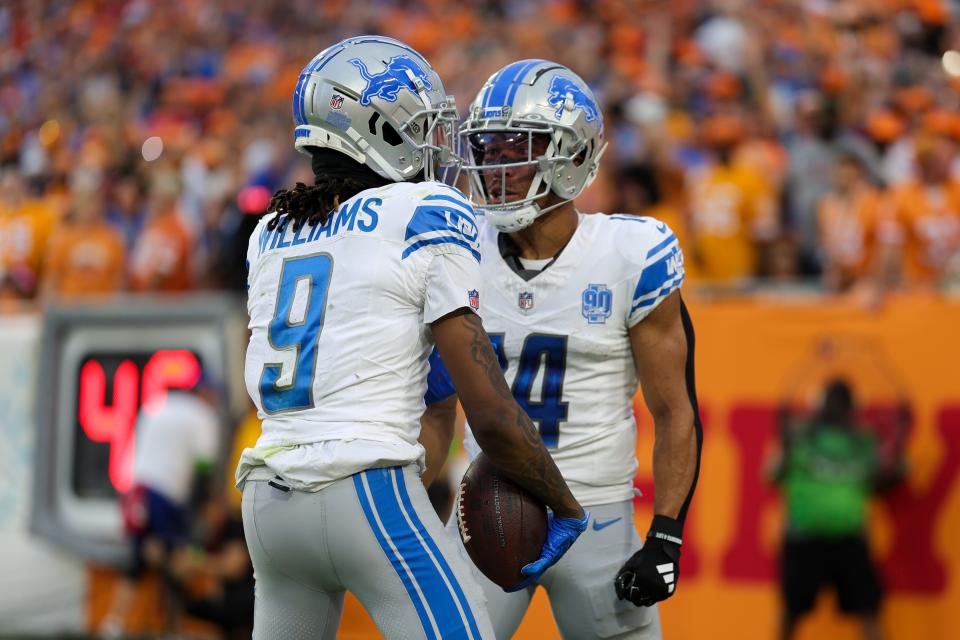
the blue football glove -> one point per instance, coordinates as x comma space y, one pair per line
561, 533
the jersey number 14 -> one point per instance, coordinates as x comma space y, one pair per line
545, 352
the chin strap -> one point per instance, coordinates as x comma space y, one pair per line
536, 210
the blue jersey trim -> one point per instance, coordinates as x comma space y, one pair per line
457, 201
654, 277
440, 220
439, 385
629, 218
419, 244
666, 290
438, 216
660, 247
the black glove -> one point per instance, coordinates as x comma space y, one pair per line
651, 574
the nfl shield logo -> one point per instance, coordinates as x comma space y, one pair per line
526, 300
336, 101
597, 303
474, 297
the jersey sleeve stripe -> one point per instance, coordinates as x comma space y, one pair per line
657, 273
460, 202
660, 247
656, 296
442, 217
419, 244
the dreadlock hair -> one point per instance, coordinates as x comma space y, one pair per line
337, 178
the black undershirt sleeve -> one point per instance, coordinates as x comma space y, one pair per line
692, 393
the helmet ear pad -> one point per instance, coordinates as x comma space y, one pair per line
572, 176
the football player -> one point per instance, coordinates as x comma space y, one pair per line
579, 308
351, 281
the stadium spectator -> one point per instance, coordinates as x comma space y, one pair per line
86, 256
812, 160
732, 208
125, 211
828, 469
163, 255
83, 86
25, 227
846, 224
923, 235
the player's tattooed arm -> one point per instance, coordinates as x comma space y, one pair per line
662, 346
504, 432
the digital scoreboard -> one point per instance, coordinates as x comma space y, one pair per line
100, 368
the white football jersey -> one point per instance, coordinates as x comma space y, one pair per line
339, 320
562, 339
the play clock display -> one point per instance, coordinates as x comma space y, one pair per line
101, 368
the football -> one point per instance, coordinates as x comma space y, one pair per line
502, 526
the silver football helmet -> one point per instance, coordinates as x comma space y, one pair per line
379, 102
535, 121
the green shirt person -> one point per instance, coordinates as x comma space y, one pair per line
828, 471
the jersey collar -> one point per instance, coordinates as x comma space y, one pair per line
511, 253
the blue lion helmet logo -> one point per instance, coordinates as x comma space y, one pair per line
560, 87
387, 83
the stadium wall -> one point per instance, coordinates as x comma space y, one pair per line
751, 357
44, 588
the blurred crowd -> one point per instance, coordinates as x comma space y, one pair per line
784, 140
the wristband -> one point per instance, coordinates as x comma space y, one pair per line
666, 529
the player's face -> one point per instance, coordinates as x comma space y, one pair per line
512, 157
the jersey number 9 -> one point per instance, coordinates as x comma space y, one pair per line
296, 325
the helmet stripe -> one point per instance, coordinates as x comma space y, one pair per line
497, 95
297, 97
489, 87
299, 107
516, 85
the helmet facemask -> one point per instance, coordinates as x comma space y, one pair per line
432, 131
510, 167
